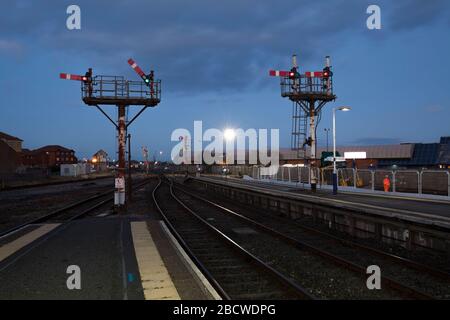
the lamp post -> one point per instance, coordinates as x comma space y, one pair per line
335, 178
130, 182
229, 135
327, 130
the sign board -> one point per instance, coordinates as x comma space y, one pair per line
120, 183
338, 159
355, 155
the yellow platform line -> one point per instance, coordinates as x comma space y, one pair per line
156, 281
14, 246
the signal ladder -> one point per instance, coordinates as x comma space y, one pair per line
299, 130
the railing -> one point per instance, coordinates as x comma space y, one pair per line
425, 182
306, 85
116, 87
428, 182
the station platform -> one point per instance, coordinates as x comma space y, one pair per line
117, 258
427, 211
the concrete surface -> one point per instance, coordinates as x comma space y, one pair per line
104, 250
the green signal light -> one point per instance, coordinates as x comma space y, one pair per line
146, 80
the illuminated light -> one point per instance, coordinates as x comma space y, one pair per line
355, 155
94, 160
229, 134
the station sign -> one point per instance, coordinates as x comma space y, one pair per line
120, 183
338, 159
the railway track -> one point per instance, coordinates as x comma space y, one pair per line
72, 211
403, 278
235, 272
434, 282
53, 183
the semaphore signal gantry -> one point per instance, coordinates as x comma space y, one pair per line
120, 92
309, 92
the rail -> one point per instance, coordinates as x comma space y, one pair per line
117, 87
304, 85
68, 208
279, 277
346, 263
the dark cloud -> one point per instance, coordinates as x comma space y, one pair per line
412, 14
202, 46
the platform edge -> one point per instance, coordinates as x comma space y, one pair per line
190, 265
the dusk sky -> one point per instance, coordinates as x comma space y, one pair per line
213, 58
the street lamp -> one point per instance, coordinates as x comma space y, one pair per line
335, 178
327, 130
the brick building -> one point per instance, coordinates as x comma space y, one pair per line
48, 157
100, 160
9, 159
14, 142
10, 150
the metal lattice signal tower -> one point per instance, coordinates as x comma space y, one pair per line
309, 92
299, 132
122, 93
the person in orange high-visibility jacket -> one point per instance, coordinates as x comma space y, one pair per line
386, 184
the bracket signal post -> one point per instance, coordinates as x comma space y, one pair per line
119, 194
309, 92
116, 91
122, 93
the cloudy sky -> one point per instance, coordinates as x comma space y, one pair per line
213, 58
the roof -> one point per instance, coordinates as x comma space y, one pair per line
444, 154
445, 140
425, 154
52, 148
6, 136
395, 151
101, 152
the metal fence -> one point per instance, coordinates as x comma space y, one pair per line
118, 87
426, 182
306, 85
433, 182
